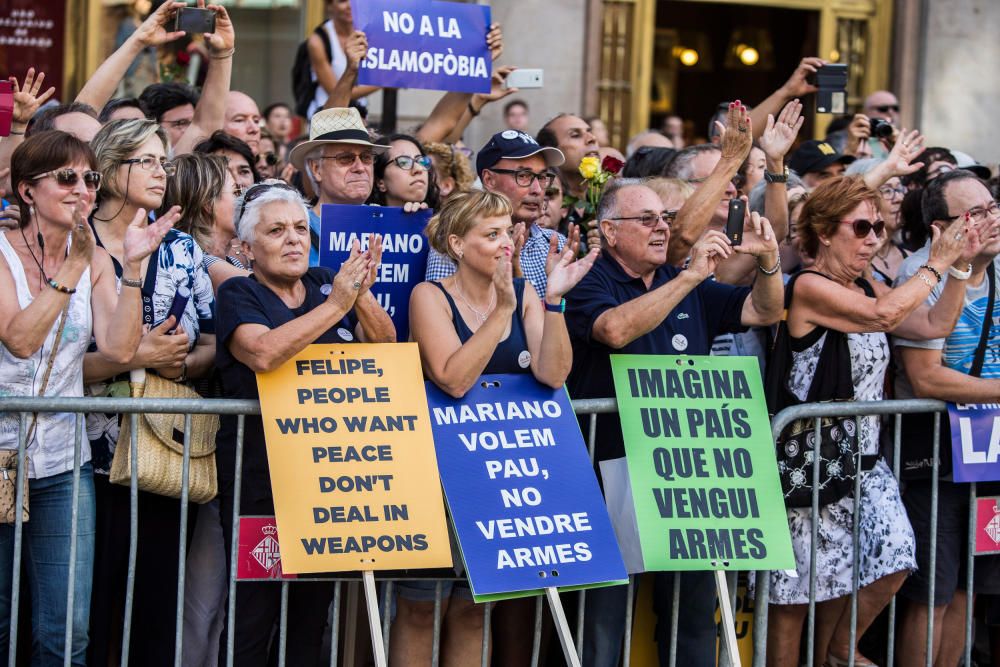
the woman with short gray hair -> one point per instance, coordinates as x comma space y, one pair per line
263, 320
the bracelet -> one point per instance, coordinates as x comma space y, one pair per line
931, 269
772, 271
61, 288
472, 110
129, 282
927, 281
559, 308
184, 372
222, 56
960, 275
776, 178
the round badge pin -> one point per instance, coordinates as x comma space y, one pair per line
326, 289
524, 359
509, 134
345, 334
680, 342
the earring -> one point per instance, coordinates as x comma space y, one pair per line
31, 211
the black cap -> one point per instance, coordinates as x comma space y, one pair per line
815, 155
514, 145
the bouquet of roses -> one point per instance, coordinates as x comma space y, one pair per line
596, 173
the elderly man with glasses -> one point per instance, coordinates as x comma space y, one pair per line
633, 302
514, 165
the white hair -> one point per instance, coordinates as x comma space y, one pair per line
249, 214
862, 167
312, 156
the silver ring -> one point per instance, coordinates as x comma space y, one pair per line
958, 236
357, 285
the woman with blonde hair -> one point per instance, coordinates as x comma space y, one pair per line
479, 320
452, 168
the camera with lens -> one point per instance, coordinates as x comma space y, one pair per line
881, 129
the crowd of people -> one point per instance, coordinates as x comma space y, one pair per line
113, 208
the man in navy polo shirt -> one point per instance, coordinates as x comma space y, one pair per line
632, 302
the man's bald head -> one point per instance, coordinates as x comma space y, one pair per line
243, 119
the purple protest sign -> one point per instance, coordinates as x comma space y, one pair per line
418, 44
975, 441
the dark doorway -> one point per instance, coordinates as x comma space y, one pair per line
779, 39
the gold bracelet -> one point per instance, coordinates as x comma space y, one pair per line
223, 56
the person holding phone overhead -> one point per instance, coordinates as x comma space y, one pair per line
132, 160
479, 320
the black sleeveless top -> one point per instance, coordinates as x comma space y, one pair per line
511, 354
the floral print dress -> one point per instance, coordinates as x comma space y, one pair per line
886, 542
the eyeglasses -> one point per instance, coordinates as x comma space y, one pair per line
270, 159
886, 108
889, 192
347, 159
651, 219
525, 177
406, 162
979, 213
862, 227
150, 163
255, 191
68, 178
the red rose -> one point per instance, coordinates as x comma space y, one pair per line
612, 164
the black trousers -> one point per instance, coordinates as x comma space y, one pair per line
154, 604
258, 604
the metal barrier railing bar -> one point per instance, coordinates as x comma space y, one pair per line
341, 645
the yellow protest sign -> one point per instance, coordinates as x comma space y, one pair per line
353, 471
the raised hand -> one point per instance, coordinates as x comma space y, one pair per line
141, 239
907, 147
224, 37
798, 83
780, 133
10, 217
736, 136
568, 271
26, 97
519, 235
497, 91
858, 133
155, 30
758, 237
356, 49
494, 40
708, 252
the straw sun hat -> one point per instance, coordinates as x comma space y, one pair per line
339, 125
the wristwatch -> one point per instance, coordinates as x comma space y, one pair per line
776, 178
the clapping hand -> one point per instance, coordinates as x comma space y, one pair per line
779, 135
568, 271
354, 273
572, 243
375, 258
736, 136
503, 283
948, 245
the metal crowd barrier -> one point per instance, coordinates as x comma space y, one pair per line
592, 407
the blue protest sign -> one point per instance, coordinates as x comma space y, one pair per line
975, 441
523, 497
419, 44
404, 251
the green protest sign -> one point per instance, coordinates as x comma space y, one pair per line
701, 463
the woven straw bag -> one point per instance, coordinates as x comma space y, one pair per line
160, 445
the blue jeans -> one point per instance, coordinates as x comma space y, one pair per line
45, 560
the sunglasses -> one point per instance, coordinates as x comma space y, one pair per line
68, 178
862, 227
406, 162
886, 108
270, 159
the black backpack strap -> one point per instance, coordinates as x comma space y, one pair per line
984, 336
325, 38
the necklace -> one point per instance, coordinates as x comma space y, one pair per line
480, 315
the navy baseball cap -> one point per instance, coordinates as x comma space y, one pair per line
815, 155
514, 145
